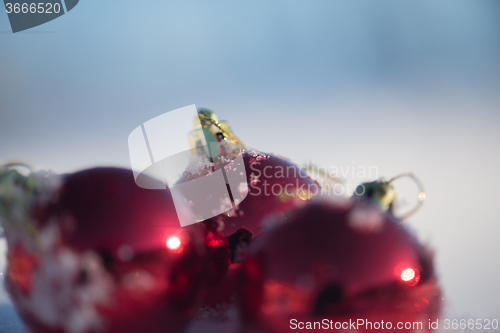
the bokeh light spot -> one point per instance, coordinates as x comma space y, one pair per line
173, 243
408, 274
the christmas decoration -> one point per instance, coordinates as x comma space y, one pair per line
339, 261
93, 252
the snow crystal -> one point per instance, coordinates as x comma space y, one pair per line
198, 165
257, 156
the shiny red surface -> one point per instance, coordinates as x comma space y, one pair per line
317, 265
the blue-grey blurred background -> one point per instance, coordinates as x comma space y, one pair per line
400, 85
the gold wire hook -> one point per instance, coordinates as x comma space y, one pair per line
421, 193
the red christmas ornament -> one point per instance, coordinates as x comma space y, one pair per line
275, 186
336, 263
272, 186
105, 256
269, 186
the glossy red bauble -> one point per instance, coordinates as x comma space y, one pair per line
337, 261
106, 256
